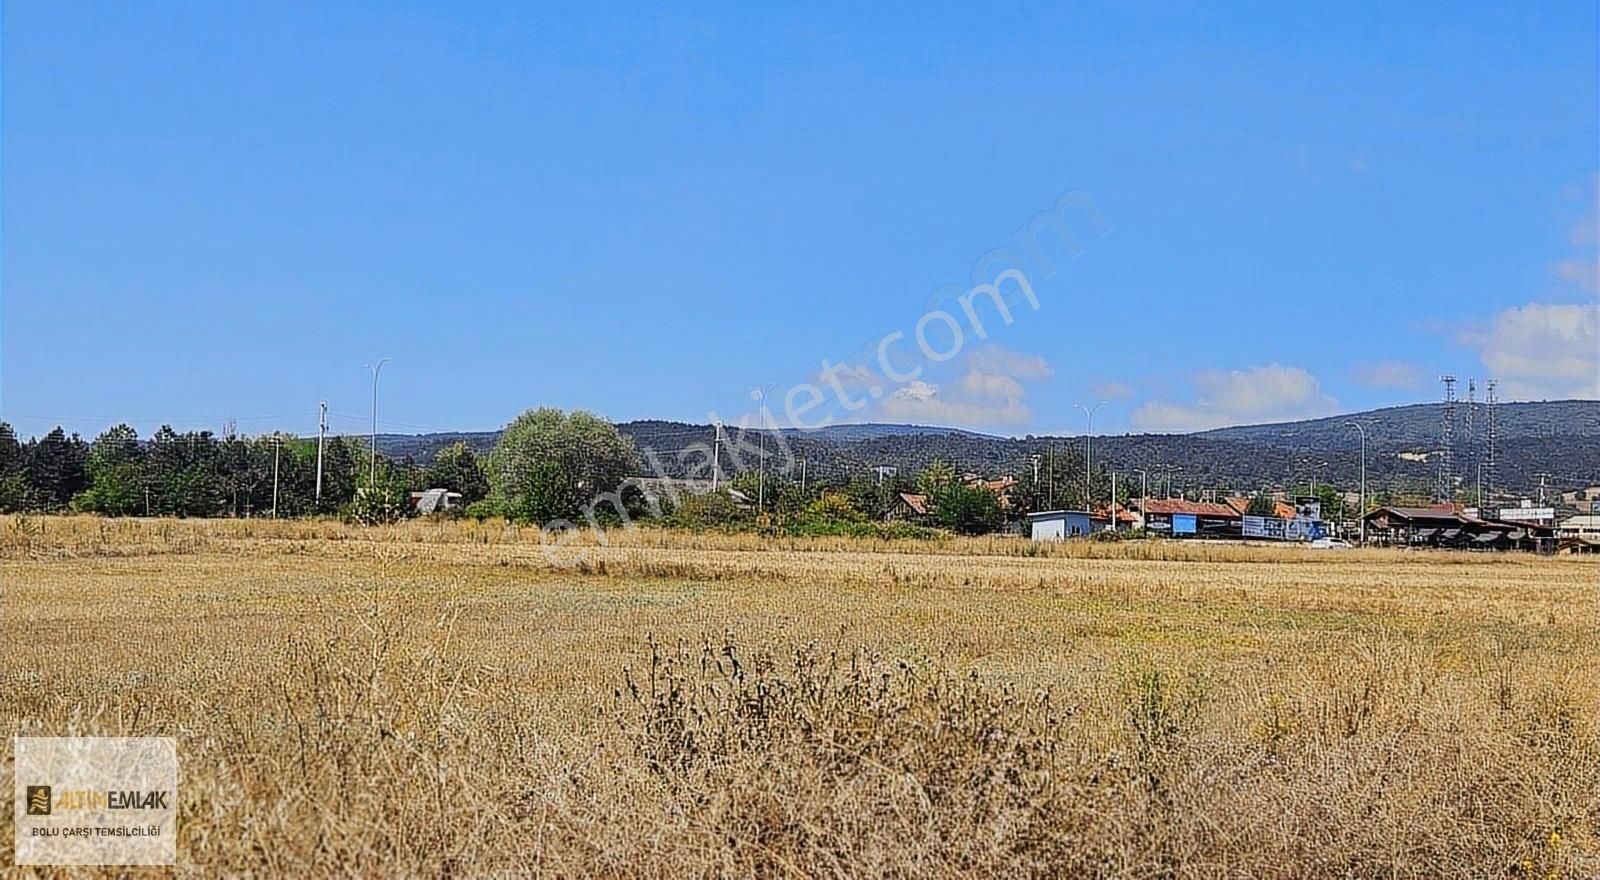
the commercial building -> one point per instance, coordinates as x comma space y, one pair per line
1448, 528
1178, 518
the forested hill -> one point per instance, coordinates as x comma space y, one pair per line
1559, 438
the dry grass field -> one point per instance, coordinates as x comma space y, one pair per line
438, 699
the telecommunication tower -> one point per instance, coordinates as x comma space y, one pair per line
1447, 438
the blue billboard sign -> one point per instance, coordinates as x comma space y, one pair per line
1273, 529
1183, 524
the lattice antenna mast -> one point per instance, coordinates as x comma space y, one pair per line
1447, 437
1469, 428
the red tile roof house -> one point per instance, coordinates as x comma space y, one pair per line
1001, 488
1126, 519
908, 506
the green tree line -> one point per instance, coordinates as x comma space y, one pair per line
199, 474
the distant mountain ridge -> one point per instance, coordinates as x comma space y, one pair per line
1559, 438
1421, 423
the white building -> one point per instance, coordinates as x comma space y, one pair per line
1583, 525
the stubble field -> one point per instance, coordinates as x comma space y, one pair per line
439, 699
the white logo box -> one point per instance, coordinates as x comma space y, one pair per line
96, 800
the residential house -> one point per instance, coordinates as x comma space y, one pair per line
1126, 519
1001, 487
908, 507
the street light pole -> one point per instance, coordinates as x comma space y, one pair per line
372, 480
1088, 440
760, 394
1363, 429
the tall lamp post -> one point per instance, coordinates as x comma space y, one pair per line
760, 394
372, 480
1088, 440
1363, 429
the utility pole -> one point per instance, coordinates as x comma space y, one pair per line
1035, 459
1542, 478
1363, 429
1144, 495
802, 478
372, 481
277, 446
1050, 492
322, 434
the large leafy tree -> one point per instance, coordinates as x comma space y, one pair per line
1059, 481
116, 474
341, 458
935, 477
456, 467
969, 510
552, 465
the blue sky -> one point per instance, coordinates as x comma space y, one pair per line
218, 211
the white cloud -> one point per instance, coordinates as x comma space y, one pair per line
957, 413
991, 392
1542, 352
1269, 393
990, 385
1388, 374
916, 391
994, 359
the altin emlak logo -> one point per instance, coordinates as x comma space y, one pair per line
40, 802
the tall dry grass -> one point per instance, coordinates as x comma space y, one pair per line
439, 700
